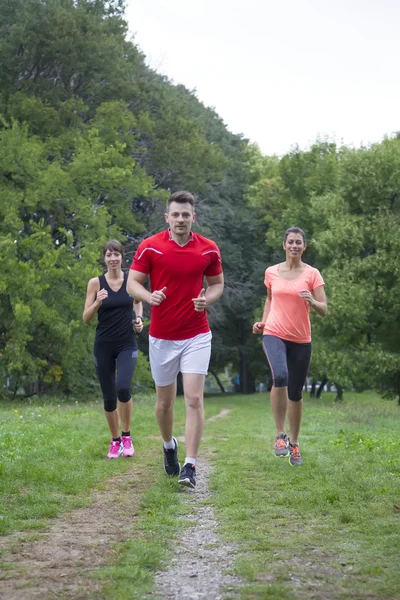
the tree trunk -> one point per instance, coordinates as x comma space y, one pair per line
312, 391
321, 386
247, 383
16, 386
339, 395
217, 379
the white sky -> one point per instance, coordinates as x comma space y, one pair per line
281, 72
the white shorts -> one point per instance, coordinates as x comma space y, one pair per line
168, 357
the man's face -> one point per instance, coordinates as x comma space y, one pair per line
180, 218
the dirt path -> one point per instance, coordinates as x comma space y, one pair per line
199, 567
59, 562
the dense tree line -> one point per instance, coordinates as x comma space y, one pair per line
348, 201
92, 142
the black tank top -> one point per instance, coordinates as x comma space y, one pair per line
115, 315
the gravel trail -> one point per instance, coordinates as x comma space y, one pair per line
200, 566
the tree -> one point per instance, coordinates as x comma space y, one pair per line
348, 203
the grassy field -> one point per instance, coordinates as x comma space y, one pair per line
328, 529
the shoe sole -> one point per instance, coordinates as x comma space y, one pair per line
187, 483
128, 455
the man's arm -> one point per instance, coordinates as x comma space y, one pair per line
137, 290
215, 288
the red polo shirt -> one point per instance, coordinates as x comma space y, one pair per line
181, 269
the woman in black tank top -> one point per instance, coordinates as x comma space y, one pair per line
115, 346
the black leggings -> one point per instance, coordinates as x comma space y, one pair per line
289, 362
108, 358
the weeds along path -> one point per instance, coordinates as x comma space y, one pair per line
57, 563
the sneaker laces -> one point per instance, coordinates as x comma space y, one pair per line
280, 442
170, 455
126, 441
295, 451
189, 467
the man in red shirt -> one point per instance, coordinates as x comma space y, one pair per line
177, 260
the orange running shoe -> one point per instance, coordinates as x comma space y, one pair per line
281, 445
294, 455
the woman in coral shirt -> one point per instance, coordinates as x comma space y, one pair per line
292, 288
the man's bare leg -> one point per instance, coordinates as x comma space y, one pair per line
193, 385
165, 410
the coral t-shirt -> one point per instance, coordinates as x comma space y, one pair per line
289, 315
181, 269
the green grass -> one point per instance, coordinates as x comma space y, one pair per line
328, 525
52, 455
325, 530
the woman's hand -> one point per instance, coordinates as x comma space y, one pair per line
101, 295
307, 296
258, 327
138, 325
317, 301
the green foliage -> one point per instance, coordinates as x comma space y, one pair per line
56, 215
348, 202
91, 144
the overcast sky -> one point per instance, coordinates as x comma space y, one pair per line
281, 72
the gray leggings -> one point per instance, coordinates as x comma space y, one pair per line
289, 362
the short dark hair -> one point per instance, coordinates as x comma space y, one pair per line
113, 245
182, 197
294, 230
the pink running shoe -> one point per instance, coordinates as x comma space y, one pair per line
127, 447
115, 449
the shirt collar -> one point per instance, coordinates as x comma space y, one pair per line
191, 237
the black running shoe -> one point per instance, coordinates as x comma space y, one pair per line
188, 475
171, 464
